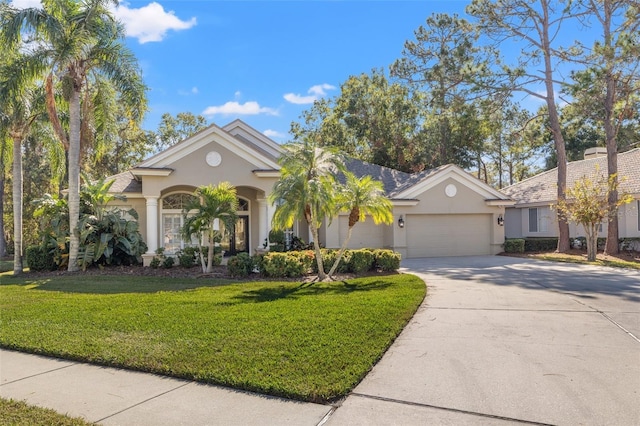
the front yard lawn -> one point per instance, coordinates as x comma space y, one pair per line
630, 260
312, 342
17, 413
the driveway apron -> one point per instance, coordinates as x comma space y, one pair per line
502, 340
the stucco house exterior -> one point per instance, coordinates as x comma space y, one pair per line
438, 212
533, 216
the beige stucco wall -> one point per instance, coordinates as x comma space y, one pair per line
139, 205
628, 225
193, 170
513, 223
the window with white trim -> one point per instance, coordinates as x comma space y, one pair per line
536, 220
172, 222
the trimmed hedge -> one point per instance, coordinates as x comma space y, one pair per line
541, 244
361, 261
240, 265
387, 260
514, 245
39, 258
294, 264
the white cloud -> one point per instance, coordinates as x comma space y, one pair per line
315, 93
193, 91
24, 4
151, 22
273, 134
148, 23
248, 108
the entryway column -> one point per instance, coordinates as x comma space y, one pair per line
152, 224
263, 222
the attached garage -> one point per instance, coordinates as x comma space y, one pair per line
438, 235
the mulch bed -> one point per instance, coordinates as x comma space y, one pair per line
220, 272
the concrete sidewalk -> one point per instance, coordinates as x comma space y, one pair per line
112, 396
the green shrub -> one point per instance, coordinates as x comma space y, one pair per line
258, 264
39, 258
329, 257
514, 245
277, 247
240, 265
540, 244
306, 258
280, 265
168, 262
360, 261
276, 236
387, 260
630, 244
155, 262
187, 257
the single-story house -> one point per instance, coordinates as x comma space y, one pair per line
438, 212
533, 216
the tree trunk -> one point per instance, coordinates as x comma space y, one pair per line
611, 246
17, 204
3, 241
342, 250
554, 121
74, 179
591, 229
322, 276
210, 254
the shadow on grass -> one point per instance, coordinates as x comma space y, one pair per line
113, 284
269, 294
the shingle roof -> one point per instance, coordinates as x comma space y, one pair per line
125, 182
542, 188
391, 179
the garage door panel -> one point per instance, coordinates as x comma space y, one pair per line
448, 235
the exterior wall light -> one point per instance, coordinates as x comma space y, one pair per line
500, 220
401, 222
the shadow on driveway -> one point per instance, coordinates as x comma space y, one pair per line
534, 274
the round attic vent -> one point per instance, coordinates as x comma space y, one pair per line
214, 159
451, 190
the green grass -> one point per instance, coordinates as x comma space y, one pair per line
312, 342
600, 260
17, 413
6, 265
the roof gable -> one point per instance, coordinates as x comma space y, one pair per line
246, 143
427, 179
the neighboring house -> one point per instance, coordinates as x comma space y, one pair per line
533, 216
438, 212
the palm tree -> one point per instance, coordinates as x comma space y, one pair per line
306, 189
80, 43
5, 163
210, 204
19, 103
362, 197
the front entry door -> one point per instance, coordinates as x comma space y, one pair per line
237, 241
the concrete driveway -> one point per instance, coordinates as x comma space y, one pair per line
502, 340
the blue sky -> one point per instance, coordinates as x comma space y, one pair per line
262, 61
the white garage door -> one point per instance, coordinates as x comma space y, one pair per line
448, 235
